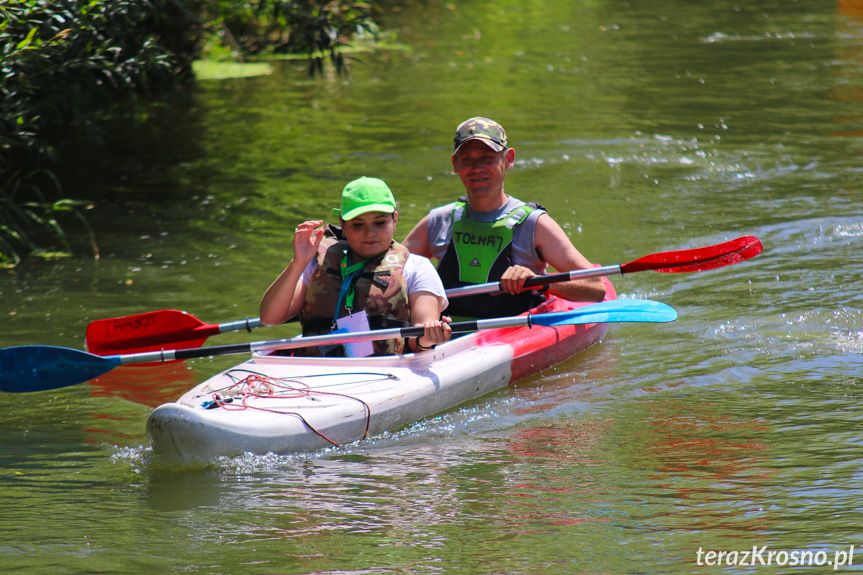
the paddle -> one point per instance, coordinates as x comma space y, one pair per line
153, 330
38, 367
694, 260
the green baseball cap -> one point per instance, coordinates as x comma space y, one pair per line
365, 195
490, 132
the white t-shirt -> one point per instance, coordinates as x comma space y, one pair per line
420, 275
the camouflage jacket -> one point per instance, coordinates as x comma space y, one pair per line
380, 288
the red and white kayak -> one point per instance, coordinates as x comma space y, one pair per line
281, 404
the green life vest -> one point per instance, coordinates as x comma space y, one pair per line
479, 245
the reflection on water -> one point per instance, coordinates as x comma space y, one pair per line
146, 385
707, 462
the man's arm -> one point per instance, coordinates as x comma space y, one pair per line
557, 250
417, 240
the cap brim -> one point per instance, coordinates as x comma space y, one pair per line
385, 208
493, 145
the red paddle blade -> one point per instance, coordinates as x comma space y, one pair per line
152, 331
698, 259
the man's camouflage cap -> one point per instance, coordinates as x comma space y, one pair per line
490, 132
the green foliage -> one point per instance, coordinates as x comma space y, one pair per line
71, 62
316, 28
63, 62
64, 59
26, 214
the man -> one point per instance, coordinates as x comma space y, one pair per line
488, 235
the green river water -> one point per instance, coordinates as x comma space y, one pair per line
642, 127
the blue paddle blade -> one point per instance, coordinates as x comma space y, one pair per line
41, 367
636, 310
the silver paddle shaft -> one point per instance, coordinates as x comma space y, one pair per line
540, 280
312, 340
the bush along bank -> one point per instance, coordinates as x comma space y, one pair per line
63, 62
71, 63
